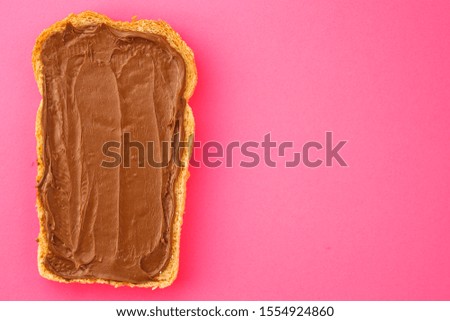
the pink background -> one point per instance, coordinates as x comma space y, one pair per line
376, 73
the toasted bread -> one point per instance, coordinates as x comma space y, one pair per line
88, 18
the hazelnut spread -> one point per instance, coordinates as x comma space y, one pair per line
113, 223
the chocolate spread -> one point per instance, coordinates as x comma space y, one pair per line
113, 223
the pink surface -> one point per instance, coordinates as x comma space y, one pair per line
376, 73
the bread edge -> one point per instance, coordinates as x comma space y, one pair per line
169, 274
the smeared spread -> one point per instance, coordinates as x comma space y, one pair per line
106, 222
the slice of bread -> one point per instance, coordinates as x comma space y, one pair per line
160, 28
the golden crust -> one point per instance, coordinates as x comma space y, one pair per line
161, 28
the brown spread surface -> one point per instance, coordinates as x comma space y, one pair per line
100, 83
